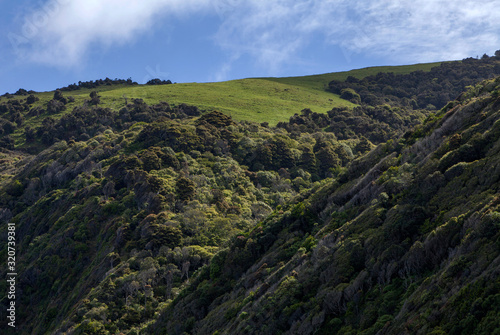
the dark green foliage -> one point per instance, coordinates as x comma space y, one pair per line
94, 98
157, 81
161, 234
404, 222
327, 159
60, 97
6, 127
31, 99
418, 89
217, 119
15, 189
100, 82
217, 263
85, 122
171, 134
55, 106
363, 146
7, 142
351, 95
275, 154
377, 124
307, 121
184, 188
91, 327
30, 134
150, 160
21, 91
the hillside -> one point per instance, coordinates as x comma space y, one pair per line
406, 241
140, 209
320, 81
259, 99
139, 200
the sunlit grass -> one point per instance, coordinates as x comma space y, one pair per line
257, 99
320, 81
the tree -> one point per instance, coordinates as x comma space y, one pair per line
30, 134
21, 91
216, 119
94, 98
150, 160
31, 99
131, 289
264, 157
282, 154
169, 277
344, 153
363, 146
185, 189
157, 81
55, 106
7, 127
327, 159
219, 200
185, 269
7, 142
15, 189
351, 95
163, 235
59, 97
308, 160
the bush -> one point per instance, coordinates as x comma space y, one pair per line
217, 263
157, 81
55, 106
31, 99
185, 188
7, 142
15, 189
350, 95
95, 99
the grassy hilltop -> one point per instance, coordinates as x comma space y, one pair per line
320, 81
255, 99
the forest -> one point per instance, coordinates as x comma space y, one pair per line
381, 218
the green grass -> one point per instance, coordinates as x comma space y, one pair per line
257, 99
320, 81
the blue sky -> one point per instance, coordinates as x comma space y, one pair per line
46, 44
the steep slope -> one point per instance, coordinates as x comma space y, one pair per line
407, 241
119, 209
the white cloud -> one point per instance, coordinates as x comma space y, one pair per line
273, 33
60, 32
266, 30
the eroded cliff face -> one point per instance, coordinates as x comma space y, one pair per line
407, 240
